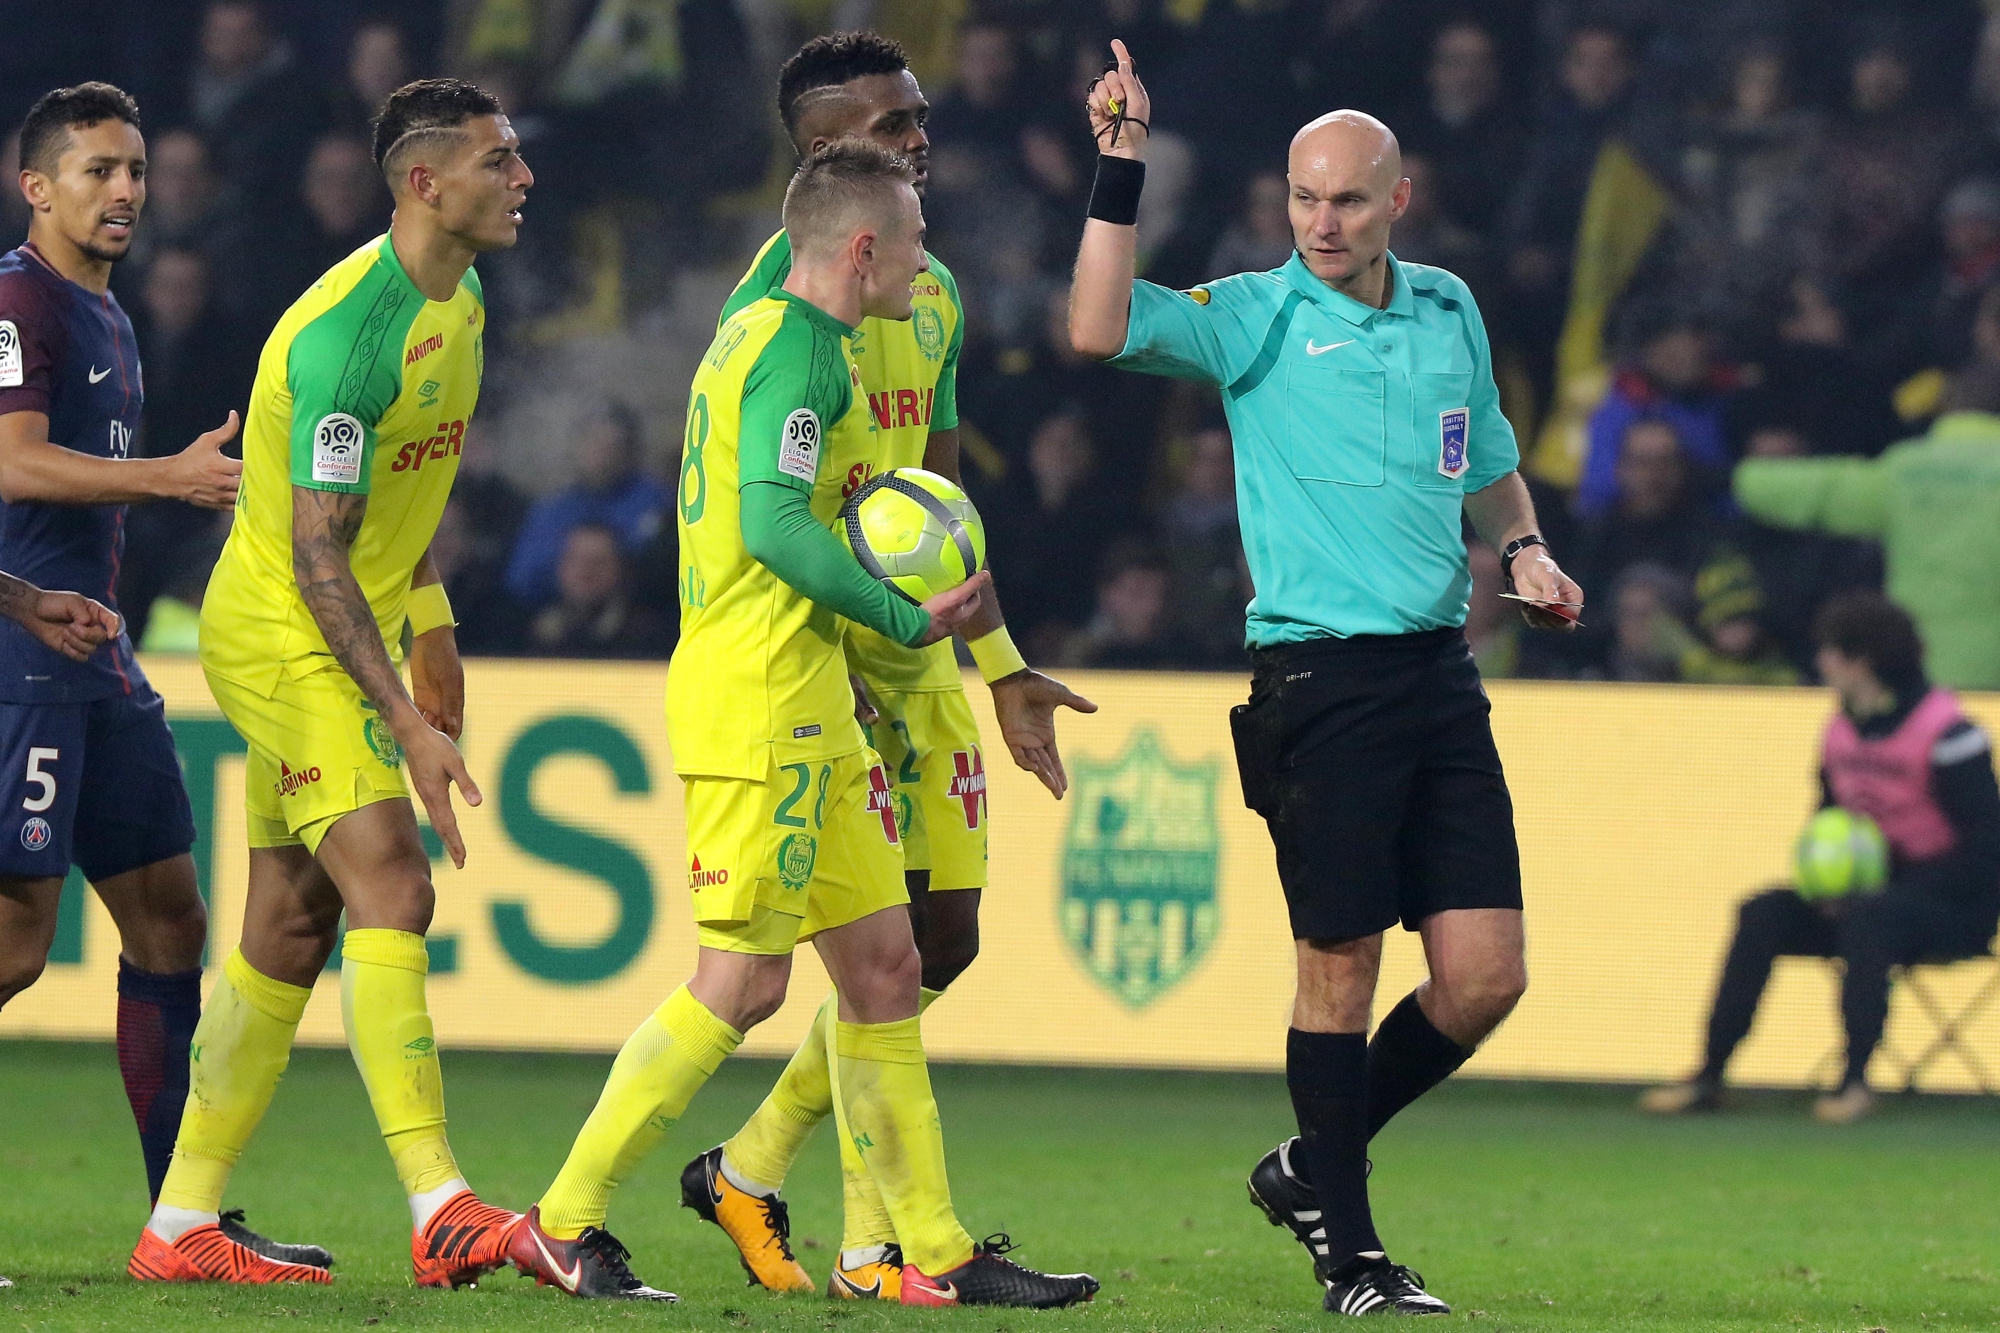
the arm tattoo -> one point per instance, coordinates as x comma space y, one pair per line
324, 525
17, 597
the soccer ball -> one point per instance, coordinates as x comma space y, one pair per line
1840, 853
915, 531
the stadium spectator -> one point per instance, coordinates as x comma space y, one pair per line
253, 104
1749, 220
1888, 162
594, 614
1540, 223
1426, 234
346, 206
1052, 523
1799, 572
1129, 629
1260, 236
1938, 312
1010, 389
198, 367
1900, 752
378, 63
1465, 125
1204, 551
473, 572
1673, 378
1648, 632
1815, 382
1656, 513
1733, 646
611, 490
1933, 503
13, 204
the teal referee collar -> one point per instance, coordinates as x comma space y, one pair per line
1402, 303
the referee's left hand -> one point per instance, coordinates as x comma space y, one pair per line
1537, 575
1025, 704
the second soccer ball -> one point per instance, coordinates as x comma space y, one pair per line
916, 531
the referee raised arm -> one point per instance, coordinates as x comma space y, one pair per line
1359, 391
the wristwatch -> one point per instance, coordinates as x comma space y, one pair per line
1513, 549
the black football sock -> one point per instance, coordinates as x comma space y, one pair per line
156, 1017
1407, 1058
1327, 1073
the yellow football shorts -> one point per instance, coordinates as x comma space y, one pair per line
318, 750
929, 744
773, 863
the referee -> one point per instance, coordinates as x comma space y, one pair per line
1359, 390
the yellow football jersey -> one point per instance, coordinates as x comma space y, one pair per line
909, 374
364, 387
759, 674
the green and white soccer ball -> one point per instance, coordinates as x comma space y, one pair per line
916, 531
1839, 854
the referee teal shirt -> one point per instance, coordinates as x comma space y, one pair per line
1358, 433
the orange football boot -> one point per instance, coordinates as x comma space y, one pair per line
878, 1277
463, 1242
204, 1254
760, 1228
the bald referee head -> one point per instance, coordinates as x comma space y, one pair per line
1367, 431
1348, 189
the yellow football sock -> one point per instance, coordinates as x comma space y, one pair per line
664, 1063
241, 1048
770, 1141
866, 1219
389, 1030
882, 1093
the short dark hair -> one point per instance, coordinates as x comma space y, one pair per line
1870, 627
830, 60
416, 111
836, 186
45, 133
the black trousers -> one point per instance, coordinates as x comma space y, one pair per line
1870, 935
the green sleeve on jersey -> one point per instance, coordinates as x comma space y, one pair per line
1175, 334
794, 392
1847, 496
782, 534
944, 403
344, 370
772, 265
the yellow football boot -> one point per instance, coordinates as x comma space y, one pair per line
760, 1227
875, 1275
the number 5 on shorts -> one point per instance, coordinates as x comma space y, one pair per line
37, 756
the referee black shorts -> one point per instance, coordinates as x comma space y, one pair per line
1372, 760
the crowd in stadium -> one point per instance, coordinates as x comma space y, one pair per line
1728, 253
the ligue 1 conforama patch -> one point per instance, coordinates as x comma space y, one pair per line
798, 448
1453, 457
337, 450
13, 365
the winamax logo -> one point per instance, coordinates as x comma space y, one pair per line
1141, 860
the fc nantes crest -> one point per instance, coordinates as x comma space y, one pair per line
1140, 863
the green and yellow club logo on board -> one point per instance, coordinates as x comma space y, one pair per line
1141, 862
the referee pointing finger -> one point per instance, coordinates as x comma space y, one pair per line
1359, 391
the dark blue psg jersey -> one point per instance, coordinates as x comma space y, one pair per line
68, 353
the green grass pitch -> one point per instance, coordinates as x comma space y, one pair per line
1526, 1207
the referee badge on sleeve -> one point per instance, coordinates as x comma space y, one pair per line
1452, 457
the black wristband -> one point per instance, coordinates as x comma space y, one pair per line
1114, 195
